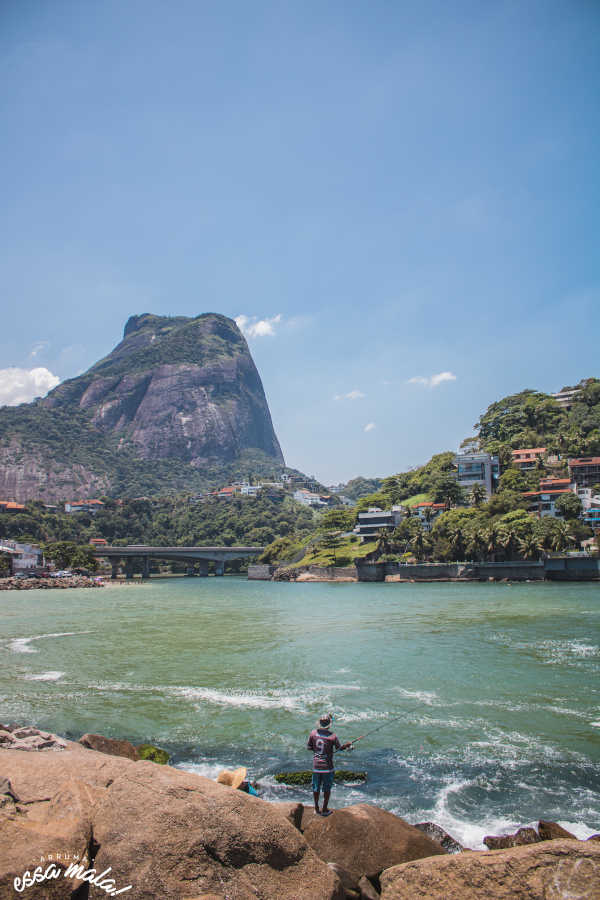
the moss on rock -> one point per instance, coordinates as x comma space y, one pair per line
154, 754
306, 777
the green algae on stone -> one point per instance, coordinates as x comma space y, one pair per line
154, 754
306, 777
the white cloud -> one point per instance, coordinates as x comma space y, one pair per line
432, 381
253, 327
351, 395
22, 385
38, 348
370, 426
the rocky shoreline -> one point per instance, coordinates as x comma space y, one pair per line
30, 584
92, 818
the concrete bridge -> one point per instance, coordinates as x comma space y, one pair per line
200, 556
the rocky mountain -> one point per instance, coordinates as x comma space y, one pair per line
177, 404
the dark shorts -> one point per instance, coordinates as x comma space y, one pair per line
322, 779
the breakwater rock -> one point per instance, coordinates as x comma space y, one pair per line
165, 833
29, 584
550, 870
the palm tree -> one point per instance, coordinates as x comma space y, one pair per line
477, 546
383, 542
418, 544
509, 540
494, 542
562, 537
530, 547
477, 494
457, 543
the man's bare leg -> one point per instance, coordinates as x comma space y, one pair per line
316, 796
325, 811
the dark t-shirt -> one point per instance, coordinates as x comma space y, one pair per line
322, 742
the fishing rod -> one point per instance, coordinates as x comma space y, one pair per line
373, 730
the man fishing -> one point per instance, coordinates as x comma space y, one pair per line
323, 742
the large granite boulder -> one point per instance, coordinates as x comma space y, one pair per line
441, 837
552, 831
46, 818
168, 833
557, 870
365, 840
291, 810
518, 839
165, 831
110, 746
26, 737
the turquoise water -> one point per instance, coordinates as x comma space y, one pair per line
496, 686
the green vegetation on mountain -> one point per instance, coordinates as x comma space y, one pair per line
534, 419
431, 481
474, 528
360, 487
471, 528
165, 521
177, 406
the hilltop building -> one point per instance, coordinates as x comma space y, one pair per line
566, 398
477, 468
527, 459
307, 498
375, 520
11, 506
88, 506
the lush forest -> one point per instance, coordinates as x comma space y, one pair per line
166, 521
470, 528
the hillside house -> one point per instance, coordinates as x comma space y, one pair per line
11, 506
374, 520
88, 506
428, 512
527, 459
477, 468
585, 470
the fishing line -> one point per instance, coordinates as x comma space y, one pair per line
373, 730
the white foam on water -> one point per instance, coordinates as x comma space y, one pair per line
469, 834
364, 715
429, 698
240, 700
206, 769
595, 724
21, 645
581, 832
44, 676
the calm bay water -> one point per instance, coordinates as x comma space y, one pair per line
497, 686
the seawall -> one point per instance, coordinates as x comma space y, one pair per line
563, 568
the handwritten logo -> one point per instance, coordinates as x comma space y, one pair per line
74, 870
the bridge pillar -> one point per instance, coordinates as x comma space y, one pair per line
146, 567
203, 568
190, 570
114, 569
219, 567
129, 569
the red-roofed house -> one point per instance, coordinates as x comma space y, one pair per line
11, 506
543, 502
427, 511
527, 459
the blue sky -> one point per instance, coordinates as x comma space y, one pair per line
396, 191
